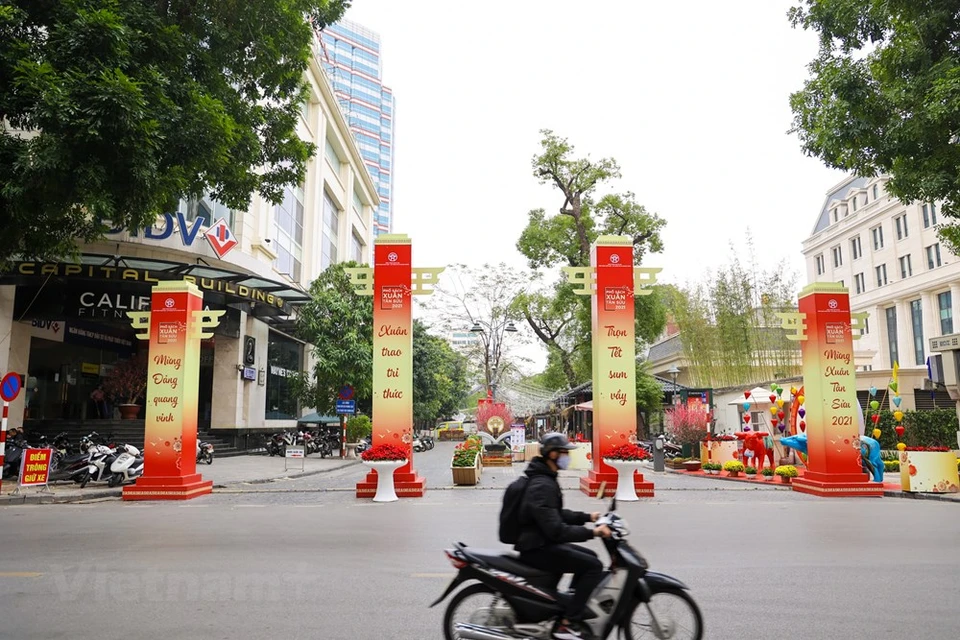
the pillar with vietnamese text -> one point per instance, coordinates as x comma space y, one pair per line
824, 326
613, 281
392, 282
174, 326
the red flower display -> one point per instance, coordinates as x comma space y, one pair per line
928, 449
628, 452
384, 452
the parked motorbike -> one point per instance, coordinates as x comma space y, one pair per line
12, 456
509, 600
364, 444
127, 465
427, 442
204, 452
418, 446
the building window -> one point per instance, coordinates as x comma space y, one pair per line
876, 191
916, 317
820, 267
854, 203
859, 283
837, 257
284, 360
356, 248
205, 209
945, 302
866, 325
855, 248
835, 217
901, 224
288, 216
929, 215
892, 334
877, 233
332, 157
881, 275
331, 233
906, 268
933, 256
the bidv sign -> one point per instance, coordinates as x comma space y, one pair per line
219, 236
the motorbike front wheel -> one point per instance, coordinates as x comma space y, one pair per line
671, 613
484, 607
114, 480
209, 458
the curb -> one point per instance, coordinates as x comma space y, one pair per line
53, 498
303, 474
758, 486
909, 495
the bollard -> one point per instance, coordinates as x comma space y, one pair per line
658, 454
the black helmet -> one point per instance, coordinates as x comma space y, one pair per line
555, 442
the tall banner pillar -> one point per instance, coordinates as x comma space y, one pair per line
613, 281
824, 325
175, 325
392, 282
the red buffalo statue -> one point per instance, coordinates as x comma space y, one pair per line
756, 441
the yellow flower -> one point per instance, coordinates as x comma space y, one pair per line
901, 446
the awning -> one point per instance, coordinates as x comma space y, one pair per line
584, 406
270, 300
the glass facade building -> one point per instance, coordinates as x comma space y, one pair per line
354, 66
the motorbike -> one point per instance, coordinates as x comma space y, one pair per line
127, 465
204, 452
427, 442
418, 446
508, 600
13, 453
364, 444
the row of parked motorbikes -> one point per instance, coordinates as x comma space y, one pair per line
96, 459
326, 444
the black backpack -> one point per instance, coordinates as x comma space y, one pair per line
510, 512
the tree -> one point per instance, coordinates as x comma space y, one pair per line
339, 325
558, 317
112, 111
884, 96
440, 377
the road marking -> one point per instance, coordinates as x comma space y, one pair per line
20, 574
248, 506
303, 506
433, 575
193, 506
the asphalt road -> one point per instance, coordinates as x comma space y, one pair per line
297, 562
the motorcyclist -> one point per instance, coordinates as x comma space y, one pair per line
547, 529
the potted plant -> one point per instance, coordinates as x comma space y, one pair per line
711, 468
692, 465
787, 472
466, 462
929, 469
626, 459
767, 473
750, 472
126, 385
733, 468
385, 459
687, 425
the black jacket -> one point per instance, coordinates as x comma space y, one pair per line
543, 520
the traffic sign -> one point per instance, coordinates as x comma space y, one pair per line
346, 406
10, 387
346, 392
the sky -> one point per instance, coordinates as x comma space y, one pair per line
691, 98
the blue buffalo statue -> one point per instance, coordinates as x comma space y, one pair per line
869, 453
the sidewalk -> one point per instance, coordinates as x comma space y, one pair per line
235, 472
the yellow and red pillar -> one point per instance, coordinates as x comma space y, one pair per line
611, 280
174, 327
834, 465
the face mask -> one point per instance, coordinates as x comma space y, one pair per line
563, 462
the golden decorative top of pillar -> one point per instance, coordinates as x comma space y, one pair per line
823, 287
392, 238
614, 241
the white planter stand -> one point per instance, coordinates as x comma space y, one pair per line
385, 469
626, 491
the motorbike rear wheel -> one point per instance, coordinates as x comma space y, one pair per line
209, 457
675, 613
479, 596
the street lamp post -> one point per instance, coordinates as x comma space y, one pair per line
491, 350
674, 372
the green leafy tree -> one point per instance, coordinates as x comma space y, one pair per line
339, 325
884, 96
112, 110
560, 319
440, 383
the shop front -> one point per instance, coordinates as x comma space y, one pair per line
71, 336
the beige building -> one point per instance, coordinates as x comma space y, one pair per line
65, 323
889, 257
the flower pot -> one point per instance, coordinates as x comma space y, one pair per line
385, 469
785, 480
733, 474
466, 476
693, 465
626, 490
128, 411
750, 476
929, 472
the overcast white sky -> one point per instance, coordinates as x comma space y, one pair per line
690, 97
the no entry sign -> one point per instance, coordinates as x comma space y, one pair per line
10, 387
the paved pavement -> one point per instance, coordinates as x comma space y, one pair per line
302, 563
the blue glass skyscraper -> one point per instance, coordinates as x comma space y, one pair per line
353, 64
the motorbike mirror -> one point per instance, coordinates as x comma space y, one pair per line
613, 504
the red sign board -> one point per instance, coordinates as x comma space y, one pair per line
35, 467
